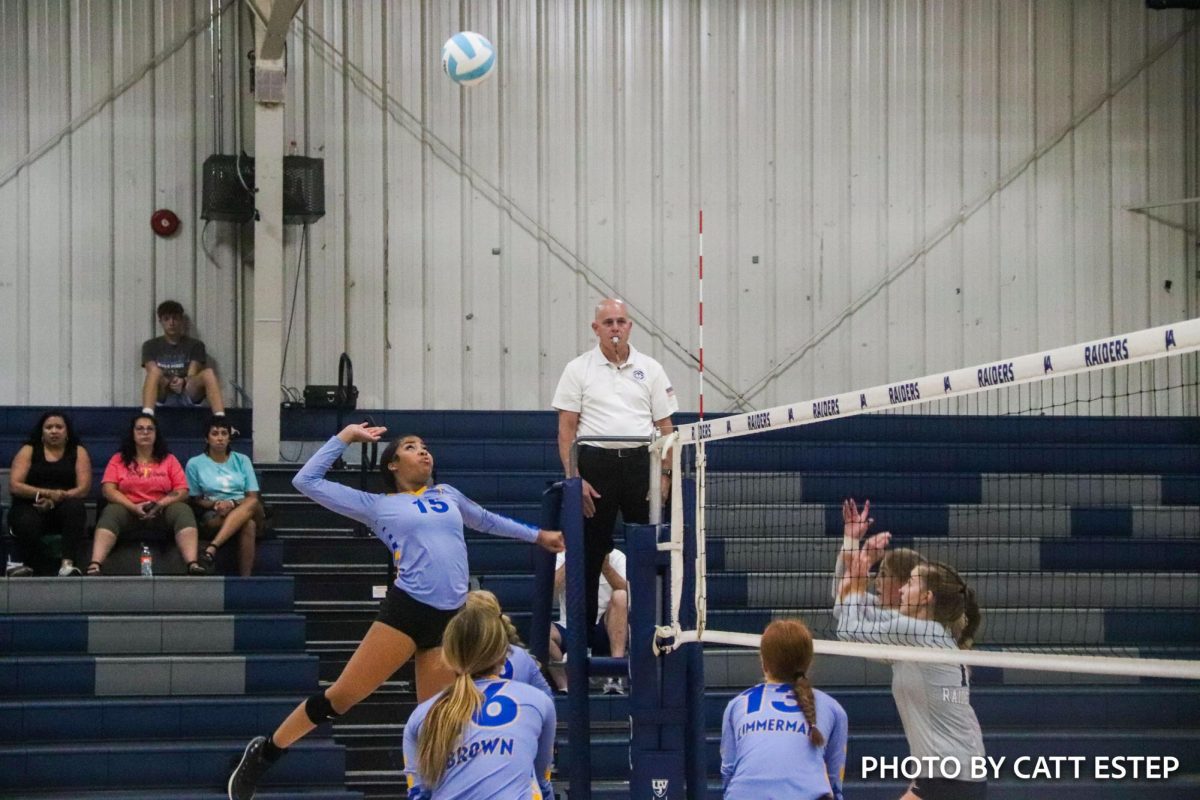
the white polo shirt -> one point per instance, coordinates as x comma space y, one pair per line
616, 560
615, 400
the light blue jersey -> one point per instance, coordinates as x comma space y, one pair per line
228, 481
765, 750
422, 529
520, 666
505, 752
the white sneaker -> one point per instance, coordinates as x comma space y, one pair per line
16, 569
614, 686
68, 570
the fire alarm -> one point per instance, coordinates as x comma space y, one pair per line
164, 222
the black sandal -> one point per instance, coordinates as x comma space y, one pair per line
196, 568
208, 559
93, 568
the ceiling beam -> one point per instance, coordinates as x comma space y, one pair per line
279, 18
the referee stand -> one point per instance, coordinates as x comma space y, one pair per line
666, 696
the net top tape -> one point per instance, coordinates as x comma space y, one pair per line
1127, 348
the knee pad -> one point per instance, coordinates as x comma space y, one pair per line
319, 709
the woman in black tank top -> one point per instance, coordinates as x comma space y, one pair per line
51, 475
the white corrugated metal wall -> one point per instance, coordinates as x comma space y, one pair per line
889, 189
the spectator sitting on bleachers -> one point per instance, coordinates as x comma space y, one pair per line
177, 370
51, 475
610, 633
146, 492
224, 487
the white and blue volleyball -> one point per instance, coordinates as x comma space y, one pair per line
468, 58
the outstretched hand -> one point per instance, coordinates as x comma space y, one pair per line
876, 544
858, 565
361, 432
855, 522
551, 540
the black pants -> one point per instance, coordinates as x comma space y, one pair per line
30, 527
622, 484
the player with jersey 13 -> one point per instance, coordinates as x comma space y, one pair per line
422, 526
484, 737
783, 738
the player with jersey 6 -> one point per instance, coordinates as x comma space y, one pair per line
484, 737
783, 738
422, 527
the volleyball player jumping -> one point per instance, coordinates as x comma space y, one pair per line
484, 737
422, 526
936, 609
782, 738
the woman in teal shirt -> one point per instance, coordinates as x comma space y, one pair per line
224, 489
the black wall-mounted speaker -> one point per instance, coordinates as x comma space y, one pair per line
228, 194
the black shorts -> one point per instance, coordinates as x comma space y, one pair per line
422, 623
947, 789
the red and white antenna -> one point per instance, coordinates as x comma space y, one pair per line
700, 337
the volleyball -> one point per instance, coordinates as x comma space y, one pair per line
468, 58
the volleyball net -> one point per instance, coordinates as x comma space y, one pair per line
1063, 486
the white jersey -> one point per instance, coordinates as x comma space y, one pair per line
934, 700
615, 400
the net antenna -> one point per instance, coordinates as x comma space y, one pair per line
1017, 628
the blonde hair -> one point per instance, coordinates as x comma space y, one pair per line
482, 598
474, 644
786, 648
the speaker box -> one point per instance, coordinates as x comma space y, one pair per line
229, 182
343, 397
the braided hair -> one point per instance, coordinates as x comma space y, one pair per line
482, 598
787, 653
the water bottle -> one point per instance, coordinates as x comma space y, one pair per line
147, 561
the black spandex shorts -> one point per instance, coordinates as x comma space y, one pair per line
946, 789
422, 623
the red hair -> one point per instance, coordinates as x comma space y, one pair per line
787, 653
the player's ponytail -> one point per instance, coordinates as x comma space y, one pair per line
954, 603
808, 704
787, 653
971, 619
474, 645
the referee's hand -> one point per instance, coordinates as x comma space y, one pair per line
551, 540
589, 499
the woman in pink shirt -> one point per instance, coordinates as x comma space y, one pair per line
146, 492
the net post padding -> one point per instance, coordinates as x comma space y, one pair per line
656, 741
1129, 348
674, 544
579, 721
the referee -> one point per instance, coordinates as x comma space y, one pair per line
612, 390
